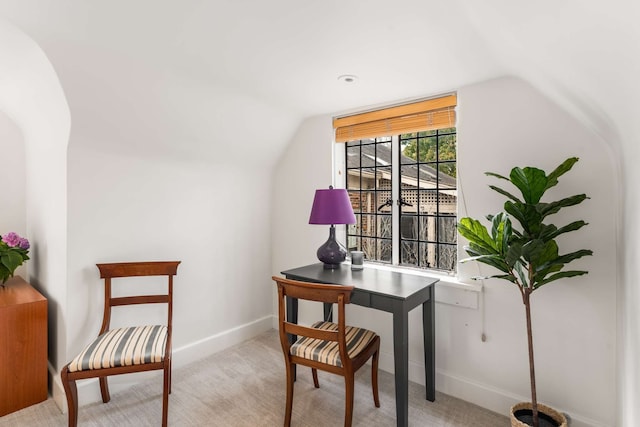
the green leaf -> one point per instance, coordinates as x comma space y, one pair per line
576, 225
531, 182
496, 175
492, 260
509, 277
505, 193
4, 273
513, 254
557, 263
546, 209
529, 218
475, 250
516, 212
11, 260
544, 271
477, 234
567, 258
565, 167
546, 231
501, 231
520, 270
538, 252
560, 275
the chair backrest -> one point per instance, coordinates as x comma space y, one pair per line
320, 292
133, 269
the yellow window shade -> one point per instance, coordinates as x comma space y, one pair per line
431, 114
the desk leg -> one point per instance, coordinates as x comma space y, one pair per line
401, 365
292, 317
328, 312
429, 336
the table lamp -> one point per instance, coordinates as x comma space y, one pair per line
332, 207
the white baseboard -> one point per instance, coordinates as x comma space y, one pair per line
215, 343
483, 395
57, 390
89, 390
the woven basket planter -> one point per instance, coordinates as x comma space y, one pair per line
553, 417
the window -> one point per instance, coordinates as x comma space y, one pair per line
403, 191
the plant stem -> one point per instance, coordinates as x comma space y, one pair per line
532, 372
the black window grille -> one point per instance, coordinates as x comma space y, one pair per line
369, 184
426, 183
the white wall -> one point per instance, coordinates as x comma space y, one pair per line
502, 123
215, 218
31, 96
13, 174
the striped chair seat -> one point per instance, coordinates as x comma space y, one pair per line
123, 347
328, 351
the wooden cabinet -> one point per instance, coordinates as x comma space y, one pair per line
23, 346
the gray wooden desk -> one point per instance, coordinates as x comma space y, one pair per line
392, 292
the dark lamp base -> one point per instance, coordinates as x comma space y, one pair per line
332, 253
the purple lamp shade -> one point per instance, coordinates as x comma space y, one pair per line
332, 206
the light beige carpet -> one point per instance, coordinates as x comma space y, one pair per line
244, 386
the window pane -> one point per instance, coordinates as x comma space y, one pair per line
409, 227
428, 255
409, 253
369, 248
447, 147
384, 225
368, 225
353, 156
355, 198
353, 243
409, 201
383, 175
447, 229
368, 179
368, 202
409, 175
428, 177
448, 172
408, 158
353, 180
385, 250
368, 156
447, 257
428, 228
420, 149
448, 202
354, 228
429, 202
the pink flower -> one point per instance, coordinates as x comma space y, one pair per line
11, 239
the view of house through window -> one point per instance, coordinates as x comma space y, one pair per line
403, 192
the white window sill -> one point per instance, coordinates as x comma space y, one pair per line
449, 289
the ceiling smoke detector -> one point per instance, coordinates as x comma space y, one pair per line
347, 78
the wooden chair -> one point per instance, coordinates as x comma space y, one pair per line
331, 347
125, 350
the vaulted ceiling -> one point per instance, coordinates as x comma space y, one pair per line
205, 79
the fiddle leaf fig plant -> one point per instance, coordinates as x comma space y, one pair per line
525, 252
